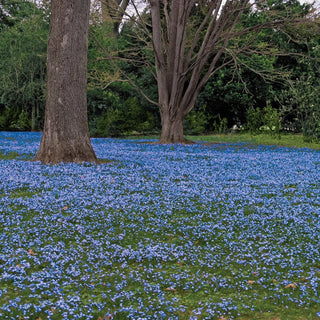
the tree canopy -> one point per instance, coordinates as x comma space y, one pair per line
270, 58
192, 40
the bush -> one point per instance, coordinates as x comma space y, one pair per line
264, 120
301, 102
272, 122
127, 119
311, 127
220, 125
23, 123
11, 119
307, 97
195, 121
254, 120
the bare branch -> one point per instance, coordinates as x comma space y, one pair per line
139, 89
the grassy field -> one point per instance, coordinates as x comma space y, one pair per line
219, 230
286, 140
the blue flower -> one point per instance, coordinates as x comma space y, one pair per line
81, 240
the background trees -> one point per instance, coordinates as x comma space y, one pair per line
193, 40
253, 80
23, 43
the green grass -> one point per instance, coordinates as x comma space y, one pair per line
8, 156
24, 193
286, 140
243, 286
13, 155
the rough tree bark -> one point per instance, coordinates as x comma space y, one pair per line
66, 133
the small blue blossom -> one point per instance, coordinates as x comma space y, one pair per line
132, 238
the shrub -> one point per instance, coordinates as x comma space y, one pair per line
272, 122
124, 120
264, 120
12, 119
220, 125
254, 120
195, 121
311, 126
23, 123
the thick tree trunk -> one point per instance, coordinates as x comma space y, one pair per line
186, 53
172, 129
66, 133
169, 56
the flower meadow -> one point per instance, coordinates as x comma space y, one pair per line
217, 231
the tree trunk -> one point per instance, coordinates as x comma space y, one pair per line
186, 52
172, 129
169, 63
112, 14
66, 133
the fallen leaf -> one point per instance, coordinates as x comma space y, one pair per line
171, 289
291, 285
31, 252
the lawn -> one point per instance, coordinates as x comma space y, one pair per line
205, 231
285, 140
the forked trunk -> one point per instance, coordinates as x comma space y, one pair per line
66, 133
187, 52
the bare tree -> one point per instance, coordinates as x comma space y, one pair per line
193, 39
66, 133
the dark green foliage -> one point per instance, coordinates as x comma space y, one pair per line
196, 121
302, 99
225, 97
220, 125
307, 94
115, 106
23, 68
254, 120
254, 93
14, 11
264, 120
128, 118
22, 123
